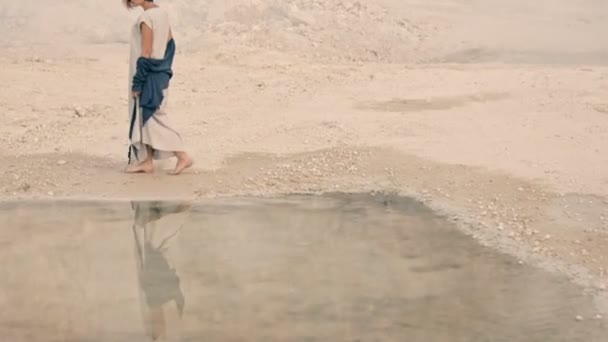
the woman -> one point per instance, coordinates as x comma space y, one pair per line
152, 50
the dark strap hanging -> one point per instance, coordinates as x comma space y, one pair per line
131, 127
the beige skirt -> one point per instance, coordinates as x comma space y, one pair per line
156, 133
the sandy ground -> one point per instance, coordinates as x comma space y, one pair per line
494, 112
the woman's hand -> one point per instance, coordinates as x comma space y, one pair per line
135, 94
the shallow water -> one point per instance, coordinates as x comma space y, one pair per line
332, 268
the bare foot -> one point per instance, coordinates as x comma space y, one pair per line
183, 162
144, 167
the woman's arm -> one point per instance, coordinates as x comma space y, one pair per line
147, 39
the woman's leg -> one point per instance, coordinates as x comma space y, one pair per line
146, 166
183, 162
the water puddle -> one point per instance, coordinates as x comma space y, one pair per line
332, 268
438, 103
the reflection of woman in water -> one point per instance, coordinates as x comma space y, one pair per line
158, 280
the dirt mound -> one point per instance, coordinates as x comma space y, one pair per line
57, 23
330, 29
334, 29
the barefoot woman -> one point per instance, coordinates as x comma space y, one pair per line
152, 52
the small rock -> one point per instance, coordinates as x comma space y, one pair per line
78, 111
579, 318
62, 162
50, 193
547, 237
598, 316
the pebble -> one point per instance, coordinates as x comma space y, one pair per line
579, 318
50, 193
62, 162
598, 316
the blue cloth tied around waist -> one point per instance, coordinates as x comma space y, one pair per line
151, 78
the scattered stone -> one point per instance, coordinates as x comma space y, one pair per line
579, 318
598, 316
79, 111
62, 162
50, 193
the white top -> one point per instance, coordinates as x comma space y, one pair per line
158, 20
